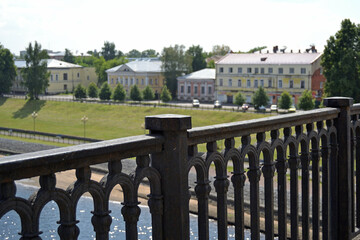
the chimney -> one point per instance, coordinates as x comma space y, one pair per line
313, 49
299, 51
275, 49
291, 51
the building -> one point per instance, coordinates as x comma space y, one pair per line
276, 72
141, 72
199, 85
63, 76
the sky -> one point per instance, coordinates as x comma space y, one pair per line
83, 25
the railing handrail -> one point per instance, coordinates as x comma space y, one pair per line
216, 132
43, 162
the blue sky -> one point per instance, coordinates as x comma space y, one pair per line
141, 24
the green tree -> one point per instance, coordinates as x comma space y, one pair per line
197, 58
211, 64
119, 93
134, 54
148, 93
285, 100
35, 74
101, 65
149, 53
105, 92
239, 99
80, 92
86, 61
68, 56
92, 90
173, 65
7, 70
260, 98
306, 102
255, 49
220, 50
165, 95
135, 93
341, 62
108, 51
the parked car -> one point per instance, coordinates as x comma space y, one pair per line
292, 109
245, 107
217, 104
273, 108
196, 103
262, 108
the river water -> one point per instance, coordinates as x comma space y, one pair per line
10, 223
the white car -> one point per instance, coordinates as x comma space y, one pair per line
273, 108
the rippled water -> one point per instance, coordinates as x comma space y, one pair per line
10, 223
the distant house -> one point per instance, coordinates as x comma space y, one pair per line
199, 85
64, 76
140, 72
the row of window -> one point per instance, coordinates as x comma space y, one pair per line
261, 83
182, 88
132, 81
55, 77
262, 70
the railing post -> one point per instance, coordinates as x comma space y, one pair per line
172, 165
340, 171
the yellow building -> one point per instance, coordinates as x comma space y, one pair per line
141, 72
64, 76
275, 72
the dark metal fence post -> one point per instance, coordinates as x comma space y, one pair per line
172, 165
340, 172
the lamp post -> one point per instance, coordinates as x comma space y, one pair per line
84, 119
34, 116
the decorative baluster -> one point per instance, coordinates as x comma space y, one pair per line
357, 172
268, 170
352, 162
294, 188
305, 162
131, 213
254, 174
221, 185
281, 166
238, 180
315, 152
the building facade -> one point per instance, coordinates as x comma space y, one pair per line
197, 85
141, 72
275, 72
64, 76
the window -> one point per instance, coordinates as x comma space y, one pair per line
209, 90
126, 81
280, 70
302, 84
122, 81
262, 83
137, 81
255, 83
321, 71
230, 83
221, 82
196, 89
221, 69
291, 84
256, 70
248, 70
88, 78
56, 77
202, 90
262, 70
65, 86
118, 80
230, 70
51, 78
280, 83
156, 81
132, 81
269, 83
142, 81
151, 83
239, 83
65, 77
270, 70
291, 70
239, 70
189, 89
182, 89
248, 83
321, 85
303, 70
112, 81
78, 75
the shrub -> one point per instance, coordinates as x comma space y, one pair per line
306, 102
285, 100
105, 91
239, 99
80, 92
135, 93
165, 95
260, 98
119, 93
148, 93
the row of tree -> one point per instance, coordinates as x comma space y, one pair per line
260, 98
119, 93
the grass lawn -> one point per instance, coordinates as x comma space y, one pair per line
104, 121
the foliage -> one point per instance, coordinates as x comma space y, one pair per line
197, 58
211, 64
165, 95
134, 54
285, 100
7, 70
256, 49
119, 93
87, 61
101, 65
68, 56
135, 93
108, 51
35, 74
173, 65
260, 98
306, 102
92, 90
239, 99
105, 92
80, 92
220, 50
341, 62
149, 53
148, 93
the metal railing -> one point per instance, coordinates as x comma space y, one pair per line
320, 199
